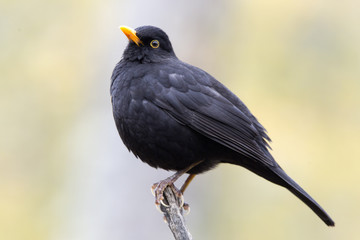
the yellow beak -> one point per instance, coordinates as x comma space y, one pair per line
131, 34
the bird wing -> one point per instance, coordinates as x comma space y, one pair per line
199, 101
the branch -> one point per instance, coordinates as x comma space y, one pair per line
174, 215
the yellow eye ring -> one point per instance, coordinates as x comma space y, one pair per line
155, 44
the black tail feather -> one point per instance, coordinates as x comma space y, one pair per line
293, 187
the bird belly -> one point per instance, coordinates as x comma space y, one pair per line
158, 139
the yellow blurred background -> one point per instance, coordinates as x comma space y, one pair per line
65, 174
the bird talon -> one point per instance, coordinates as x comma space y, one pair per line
186, 208
158, 207
152, 189
163, 203
164, 218
182, 200
178, 194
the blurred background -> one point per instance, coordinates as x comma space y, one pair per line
65, 174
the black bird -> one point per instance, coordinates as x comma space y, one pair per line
178, 117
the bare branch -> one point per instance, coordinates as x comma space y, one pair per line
174, 215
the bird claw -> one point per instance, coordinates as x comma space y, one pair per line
186, 208
158, 189
158, 208
182, 202
152, 189
163, 203
164, 218
178, 194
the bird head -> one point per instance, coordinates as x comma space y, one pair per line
147, 44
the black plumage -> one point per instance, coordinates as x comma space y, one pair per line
175, 116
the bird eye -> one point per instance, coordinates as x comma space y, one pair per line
154, 44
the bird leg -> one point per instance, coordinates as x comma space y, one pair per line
187, 182
182, 190
159, 187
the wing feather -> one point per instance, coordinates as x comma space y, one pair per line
213, 111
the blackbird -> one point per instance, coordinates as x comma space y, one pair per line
178, 117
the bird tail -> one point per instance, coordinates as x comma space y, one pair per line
293, 187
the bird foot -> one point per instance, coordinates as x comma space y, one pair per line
158, 189
186, 208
